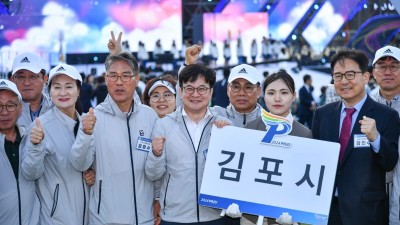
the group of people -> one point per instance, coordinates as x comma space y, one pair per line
125, 162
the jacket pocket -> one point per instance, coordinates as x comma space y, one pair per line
98, 206
55, 200
165, 195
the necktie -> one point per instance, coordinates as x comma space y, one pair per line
345, 132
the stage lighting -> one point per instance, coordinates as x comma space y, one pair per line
365, 6
316, 6
343, 34
294, 37
268, 7
95, 58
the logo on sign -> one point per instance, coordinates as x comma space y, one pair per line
276, 126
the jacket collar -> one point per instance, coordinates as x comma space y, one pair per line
109, 106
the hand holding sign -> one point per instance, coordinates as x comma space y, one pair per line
158, 145
88, 122
221, 123
37, 133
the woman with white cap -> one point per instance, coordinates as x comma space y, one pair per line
160, 95
61, 189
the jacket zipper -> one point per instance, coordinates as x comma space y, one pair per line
166, 190
133, 170
197, 164
55, 200
244, 119
98, 206
84, 200
19, 203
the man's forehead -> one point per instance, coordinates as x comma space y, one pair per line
24, 72
8, 95
240, 81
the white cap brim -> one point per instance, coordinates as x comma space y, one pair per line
162, 83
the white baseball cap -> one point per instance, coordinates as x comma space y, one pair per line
8, 85
244, 71
162, 83
28, 61
387, 51
65, 69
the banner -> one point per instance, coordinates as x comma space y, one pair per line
283, 174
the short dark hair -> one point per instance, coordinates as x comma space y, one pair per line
356, 55
123, 56
281, 75
191, 72
306, 78
146, 96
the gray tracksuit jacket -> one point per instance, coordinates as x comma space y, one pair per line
122, 194
18, 198
238, 119
61, 189
180, 168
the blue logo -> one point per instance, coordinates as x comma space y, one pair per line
276, 126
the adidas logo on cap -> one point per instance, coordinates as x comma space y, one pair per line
388, 51
60, 69
25, 60
3, 83
242, 71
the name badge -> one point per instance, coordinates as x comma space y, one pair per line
143, 144
360, 141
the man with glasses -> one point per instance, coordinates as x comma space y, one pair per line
28, 74
180, 145
115, 138
386, 72
368, 134
243, 92
19, 203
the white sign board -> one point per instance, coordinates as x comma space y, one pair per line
268, 180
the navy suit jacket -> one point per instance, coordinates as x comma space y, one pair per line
305, 99
360, 178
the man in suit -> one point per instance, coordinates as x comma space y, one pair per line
307, 104
368, 133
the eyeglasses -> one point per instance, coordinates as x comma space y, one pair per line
190, 90
9, 107
124, 78
247, 88
166, 96
348, 74
392, 67
21, 79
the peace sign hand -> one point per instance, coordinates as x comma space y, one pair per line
114, 45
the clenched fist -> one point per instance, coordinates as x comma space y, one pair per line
368, 127
158, 145
192, 53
